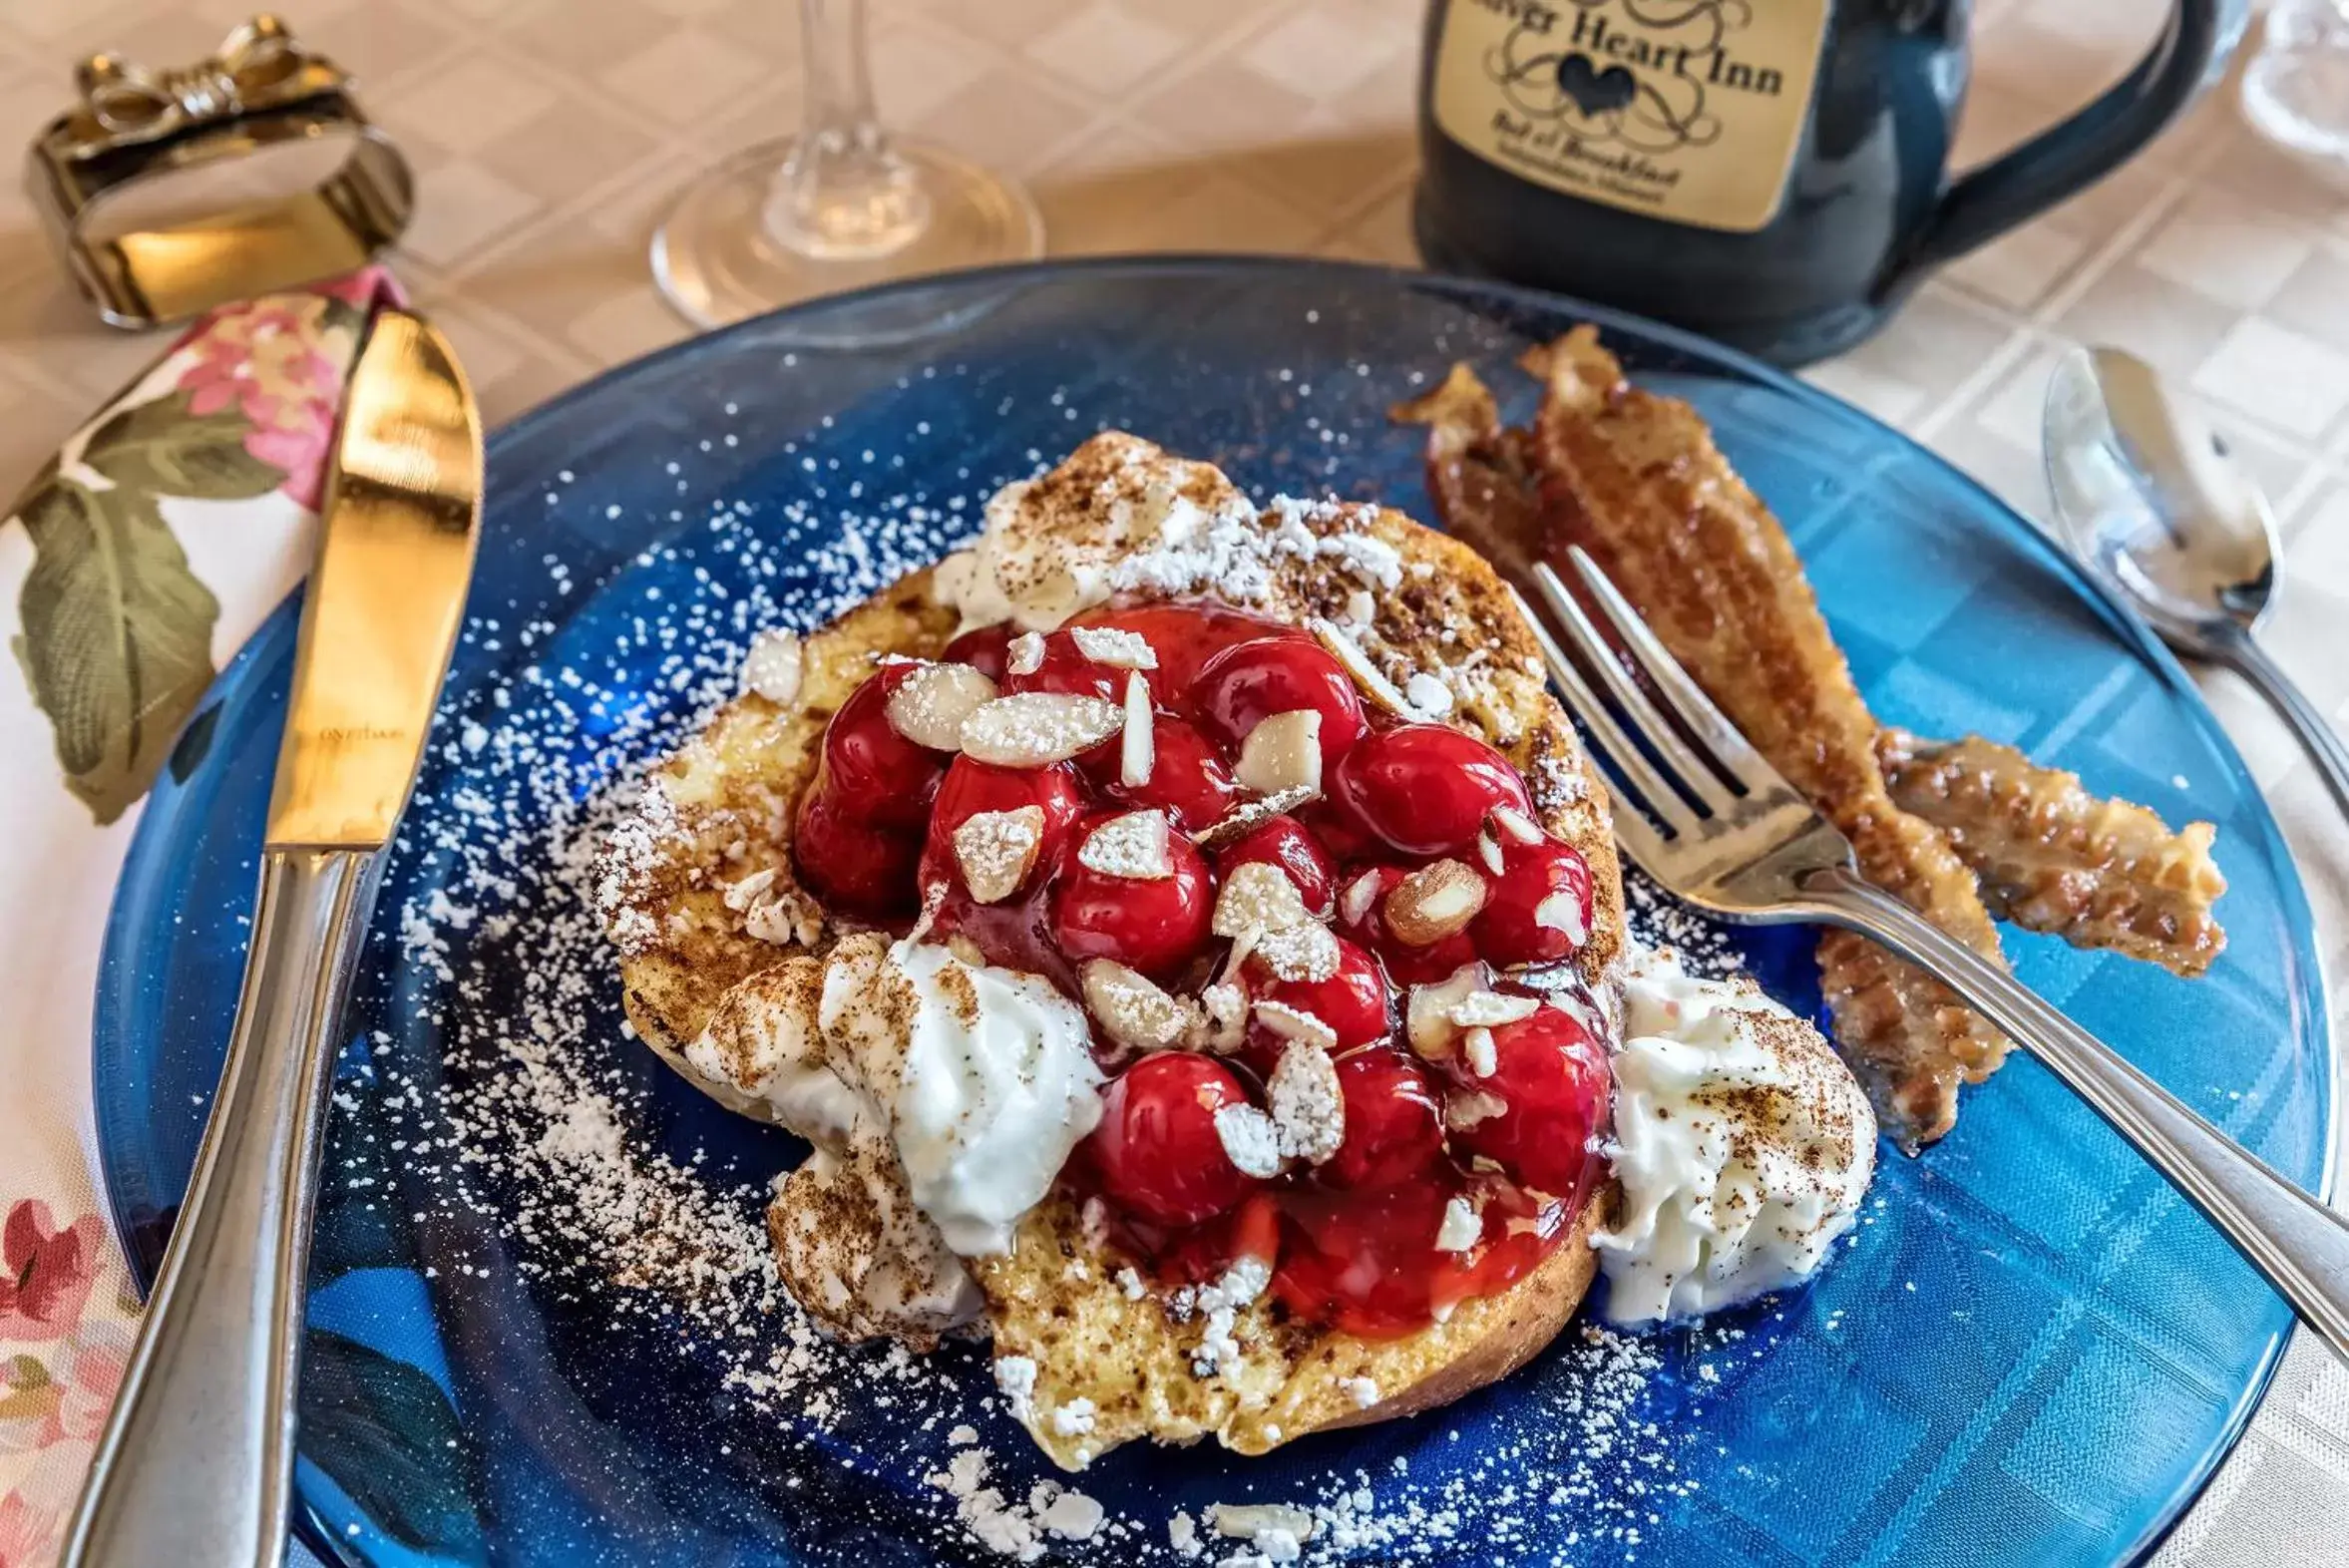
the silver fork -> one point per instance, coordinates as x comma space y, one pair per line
1718, 826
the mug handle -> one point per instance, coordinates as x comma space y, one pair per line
2063, 158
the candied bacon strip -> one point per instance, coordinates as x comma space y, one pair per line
1636, 479
2051, 857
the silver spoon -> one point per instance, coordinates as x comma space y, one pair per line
2151, 500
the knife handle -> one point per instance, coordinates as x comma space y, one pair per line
195, 1467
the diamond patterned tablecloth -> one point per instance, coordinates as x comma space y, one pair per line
546, 132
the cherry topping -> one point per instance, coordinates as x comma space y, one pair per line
1188, 776
1284, 842
1351, 1001
1066, 669
876, 774
857, 867
1552, 1078
1424, 789
972, 787
983, 648
1540, 908
1362, 915
1157, 1151
1249, 682
1394, 1125
1155, 924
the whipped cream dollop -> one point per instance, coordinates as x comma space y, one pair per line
1742, 1144
942, 1097
1120, 514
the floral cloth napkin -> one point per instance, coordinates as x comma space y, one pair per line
133, 565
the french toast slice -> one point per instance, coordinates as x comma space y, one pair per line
697, 890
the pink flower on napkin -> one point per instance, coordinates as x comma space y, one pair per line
263, 360
45, 1271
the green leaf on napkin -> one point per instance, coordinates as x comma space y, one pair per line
163, 449
117, 633
385, 1433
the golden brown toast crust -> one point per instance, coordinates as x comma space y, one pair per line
724, 812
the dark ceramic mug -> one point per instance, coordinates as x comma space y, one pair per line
1771, 173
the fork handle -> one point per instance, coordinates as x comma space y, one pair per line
2301, 1246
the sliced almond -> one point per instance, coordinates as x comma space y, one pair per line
1516, 824
1354, 904
1030, 729
1304, 953
1464, 1108
930, 706
1489, 850
1433, 903
1295, 1023
1427, 1017
1479, 1053
1133, 846
1250, 815
1562, 912
774, 665
1491, 1009
1281, 753
1461, 1227
1250, 1140
1223, 1019
1257, 896
998, 849
1119, 649
1024, 653
1348, 652
1307, 1105
1132, 1009
1137, 753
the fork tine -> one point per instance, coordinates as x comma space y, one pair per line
1695, 777
1661, 799
1635, 835
1733, 752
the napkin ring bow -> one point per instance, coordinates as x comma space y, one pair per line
135, 125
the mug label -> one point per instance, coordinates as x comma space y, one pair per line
1683, 110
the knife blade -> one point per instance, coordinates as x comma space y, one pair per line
196, 1465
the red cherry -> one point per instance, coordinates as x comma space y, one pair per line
1156, 1149
1351, 1001
1183, 635
1425, 789
1511, 927
983, 648
1188, 776
855, 867
1284, 842
1154, 925
876, 774
1251, 682
972, 786
1552, 1077
1361, 916
1393, 1124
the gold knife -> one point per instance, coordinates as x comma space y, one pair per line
195, 1467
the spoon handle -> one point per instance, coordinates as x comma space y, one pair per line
2248, 659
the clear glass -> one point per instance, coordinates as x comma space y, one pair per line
2296, 89
840, 206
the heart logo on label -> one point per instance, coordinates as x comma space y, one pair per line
1595, 91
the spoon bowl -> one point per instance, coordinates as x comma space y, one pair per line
2150, 498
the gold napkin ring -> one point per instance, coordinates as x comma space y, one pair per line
133, 124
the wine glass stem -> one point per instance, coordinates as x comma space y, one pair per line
842, 192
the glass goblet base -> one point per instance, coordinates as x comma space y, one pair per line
717, 259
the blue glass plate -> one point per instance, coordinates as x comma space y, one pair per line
2030, 1353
